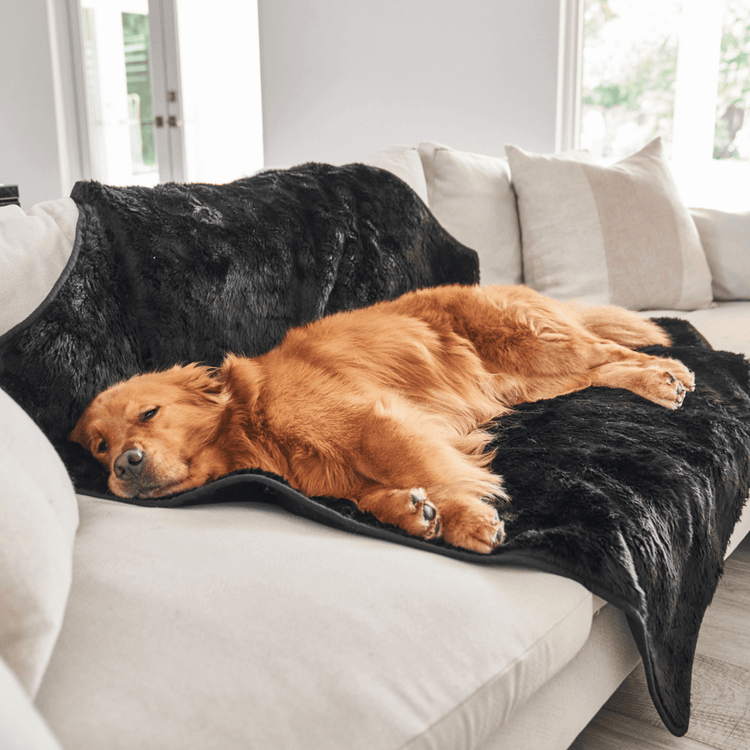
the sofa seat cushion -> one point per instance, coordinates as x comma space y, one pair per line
240, 625
726, 325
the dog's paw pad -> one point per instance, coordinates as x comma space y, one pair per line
677, 390
430, 522
419, 499
418, 495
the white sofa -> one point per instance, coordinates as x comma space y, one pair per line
130, 627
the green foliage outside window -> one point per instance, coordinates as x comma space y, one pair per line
734, 78
644, 84
135, 36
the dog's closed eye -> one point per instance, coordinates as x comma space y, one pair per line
149, 414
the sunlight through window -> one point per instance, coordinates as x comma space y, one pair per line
679, 69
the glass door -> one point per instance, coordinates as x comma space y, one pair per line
139, 60
135, 31
120, 108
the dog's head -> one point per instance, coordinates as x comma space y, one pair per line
152, 432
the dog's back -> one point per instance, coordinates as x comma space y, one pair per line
381, 349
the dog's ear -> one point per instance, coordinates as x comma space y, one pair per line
200, 382
79, 434
242, 380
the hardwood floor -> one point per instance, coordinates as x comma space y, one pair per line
720, 715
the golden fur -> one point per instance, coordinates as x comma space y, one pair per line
383, 405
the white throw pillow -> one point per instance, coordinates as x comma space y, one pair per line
21, 726
726, 241
38, 521
614, 234
35, 246
472, 198
404, 162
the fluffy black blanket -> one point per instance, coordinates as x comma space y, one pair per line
185, 273
635, 502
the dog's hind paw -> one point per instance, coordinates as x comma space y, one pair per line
670, 384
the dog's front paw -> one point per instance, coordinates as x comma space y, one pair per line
410, 510
426, 517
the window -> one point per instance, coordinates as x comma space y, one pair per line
679, 69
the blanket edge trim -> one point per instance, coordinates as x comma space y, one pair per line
37, 313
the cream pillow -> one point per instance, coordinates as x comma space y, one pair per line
726, 241
608, 234
21, 726
35, 247
472, 198
404, 162
38, 521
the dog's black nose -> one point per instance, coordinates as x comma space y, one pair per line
129, 463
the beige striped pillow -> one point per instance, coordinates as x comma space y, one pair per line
617, 235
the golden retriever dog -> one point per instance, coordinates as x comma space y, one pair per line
383, 405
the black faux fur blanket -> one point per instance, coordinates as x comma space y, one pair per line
635, 502
185, 273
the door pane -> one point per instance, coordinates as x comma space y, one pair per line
140, 106
732, 134
118, 84
220, 78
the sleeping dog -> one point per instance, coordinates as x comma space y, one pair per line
384, 405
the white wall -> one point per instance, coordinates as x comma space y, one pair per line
343, 78
29, 153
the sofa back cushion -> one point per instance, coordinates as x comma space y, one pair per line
726, 241
404, 162
471, 196
608, 234
38, 522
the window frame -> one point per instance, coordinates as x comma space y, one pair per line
570, 55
